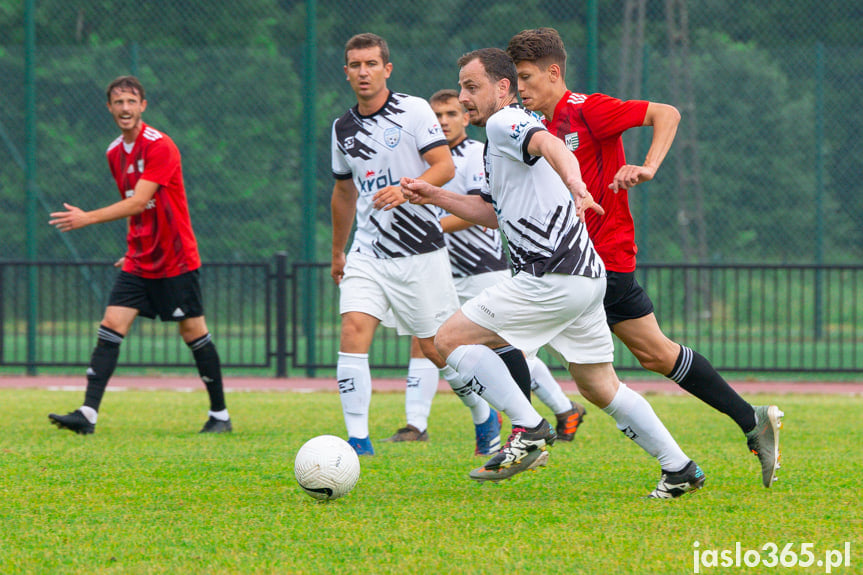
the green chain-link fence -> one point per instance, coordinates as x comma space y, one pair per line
765, 167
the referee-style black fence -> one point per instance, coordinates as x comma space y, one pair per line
280, 318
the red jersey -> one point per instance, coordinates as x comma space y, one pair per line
161, 242
591, 127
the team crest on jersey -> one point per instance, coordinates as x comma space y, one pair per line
349, 142
140, 166
392, 137
571, 141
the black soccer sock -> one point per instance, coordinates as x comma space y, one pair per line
102, 364
694, 373
517, 366
210, 369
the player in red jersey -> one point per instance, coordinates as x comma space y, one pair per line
591, 126
160, 269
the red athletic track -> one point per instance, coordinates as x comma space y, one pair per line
186, 383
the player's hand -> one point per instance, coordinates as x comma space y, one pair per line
416, 191
72, 219
119, 263
337, 267
583, 199
591, 204
629, 176
388, 198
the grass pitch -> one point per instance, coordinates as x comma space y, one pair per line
148, 494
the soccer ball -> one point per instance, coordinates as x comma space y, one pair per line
327, 467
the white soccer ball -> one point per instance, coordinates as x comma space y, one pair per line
327, 467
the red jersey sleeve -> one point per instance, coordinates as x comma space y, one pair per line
608, 117
161, 162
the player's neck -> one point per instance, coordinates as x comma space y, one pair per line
455, 143
372, 105
553, 101
129, 136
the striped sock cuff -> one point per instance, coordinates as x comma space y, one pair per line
681, 368
108, 335
200, 342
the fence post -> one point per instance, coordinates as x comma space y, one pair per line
2, 315
819, 185
281, 314
30, 155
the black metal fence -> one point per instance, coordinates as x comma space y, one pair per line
281, 318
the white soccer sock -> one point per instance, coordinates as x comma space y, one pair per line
220, 415
355, 391
489, 377
546, 388
479, 408
637, 420
91, 414
421, 387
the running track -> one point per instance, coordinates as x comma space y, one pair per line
305, 385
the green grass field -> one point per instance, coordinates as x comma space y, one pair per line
147, 494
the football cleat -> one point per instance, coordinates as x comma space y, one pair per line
408, 433
73, 421
213, 425
569, 421
674, 484
763, 441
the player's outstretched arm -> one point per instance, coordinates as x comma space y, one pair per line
451, 224
74, 218
441, 170
471, 208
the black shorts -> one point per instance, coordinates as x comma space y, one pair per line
624, 298
172, 299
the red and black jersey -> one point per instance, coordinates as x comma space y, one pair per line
591, 127
161, 242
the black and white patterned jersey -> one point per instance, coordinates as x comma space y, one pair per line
377, 151
477, 249
533, 205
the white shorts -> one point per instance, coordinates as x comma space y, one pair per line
471, 286
561, 310
418, 289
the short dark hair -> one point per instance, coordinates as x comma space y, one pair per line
125, 84
368, 40
497, 63
542, 46
443, 96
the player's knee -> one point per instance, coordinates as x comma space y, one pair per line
444, 341
659, 361
356, 334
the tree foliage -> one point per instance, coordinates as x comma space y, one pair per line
226, 81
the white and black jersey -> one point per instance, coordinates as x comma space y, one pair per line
477, 249
533, 206
377, 151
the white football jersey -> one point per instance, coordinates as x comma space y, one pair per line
377, 151
477, 249
533, 205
